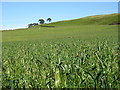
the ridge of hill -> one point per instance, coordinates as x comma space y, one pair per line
108, 19
88, 27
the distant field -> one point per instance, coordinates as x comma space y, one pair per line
66, 54
61, 32
64, 29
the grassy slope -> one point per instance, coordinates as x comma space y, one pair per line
92, 20
86, 53
93, 26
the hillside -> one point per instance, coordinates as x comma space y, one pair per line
109, 19
81, 53
78, 28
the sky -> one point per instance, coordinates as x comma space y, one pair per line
20, 14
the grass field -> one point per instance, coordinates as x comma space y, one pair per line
65, 54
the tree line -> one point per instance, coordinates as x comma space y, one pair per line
41, 21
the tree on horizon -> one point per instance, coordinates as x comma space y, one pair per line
30, 25
49, 19
41, 21
35, 24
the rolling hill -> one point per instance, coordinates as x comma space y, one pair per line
109, 19
78, 28
80, 53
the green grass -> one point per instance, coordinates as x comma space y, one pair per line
61, 63
61, 32
91, 20
68, 55
63, 29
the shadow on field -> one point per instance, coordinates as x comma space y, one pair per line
118, 23
46, 26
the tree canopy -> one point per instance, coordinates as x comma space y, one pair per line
49, 19
32, 24
41, 21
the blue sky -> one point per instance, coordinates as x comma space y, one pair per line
20, 14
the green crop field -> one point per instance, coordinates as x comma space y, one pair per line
81, 53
